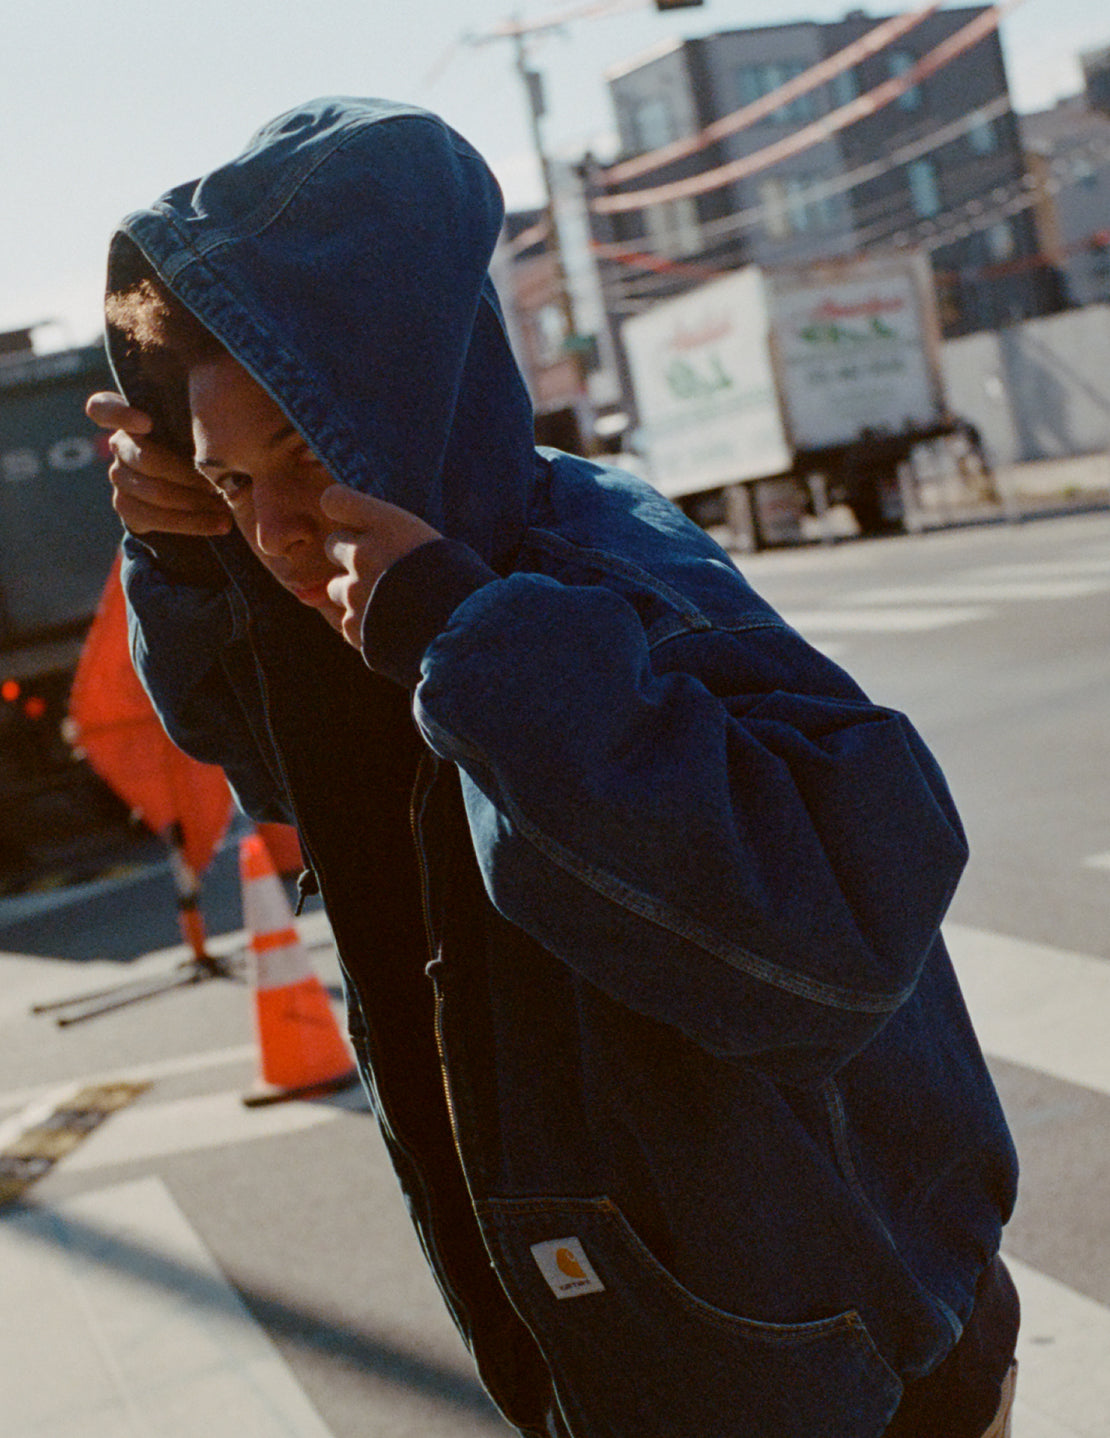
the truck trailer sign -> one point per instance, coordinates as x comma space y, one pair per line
853, 351
705, 389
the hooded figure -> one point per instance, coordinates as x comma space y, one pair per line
637, 896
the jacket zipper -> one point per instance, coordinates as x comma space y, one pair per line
426, 772
422, 785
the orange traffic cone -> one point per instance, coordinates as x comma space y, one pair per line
301, 1051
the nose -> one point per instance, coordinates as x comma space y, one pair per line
282, 521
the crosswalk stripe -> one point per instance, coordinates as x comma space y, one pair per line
173, 1067
1034, 1005
879, 620
1063, 1378
156, 1130
143, 1332
977, 590
1038, 568
961, 597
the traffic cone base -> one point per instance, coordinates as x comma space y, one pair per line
301, 1050
304, 1047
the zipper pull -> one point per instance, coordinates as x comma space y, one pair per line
307, 886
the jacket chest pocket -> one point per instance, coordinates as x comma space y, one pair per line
634, 1354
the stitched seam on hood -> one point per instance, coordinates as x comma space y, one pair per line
280, 195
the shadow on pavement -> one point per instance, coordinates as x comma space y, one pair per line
325, 1335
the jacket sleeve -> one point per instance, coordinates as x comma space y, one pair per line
184, 639
764, 864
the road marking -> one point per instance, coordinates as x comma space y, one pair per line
31, 1153
1036, 1006
155, 1130
910, 618
148, 1073
118, 1323
1037, 568
1063, 1378
977, 590
1097, 861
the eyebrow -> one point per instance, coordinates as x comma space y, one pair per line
279, 437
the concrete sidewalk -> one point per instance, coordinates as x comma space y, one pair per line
1038, 489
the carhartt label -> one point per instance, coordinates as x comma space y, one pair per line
567, 1270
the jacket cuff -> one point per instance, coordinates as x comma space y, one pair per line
412, 602
184, 558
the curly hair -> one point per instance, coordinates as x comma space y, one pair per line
159, 340
160, 327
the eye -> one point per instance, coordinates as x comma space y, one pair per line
231, 486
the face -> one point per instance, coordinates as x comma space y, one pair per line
272, 482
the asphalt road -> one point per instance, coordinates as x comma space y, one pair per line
995, 640
197, 1269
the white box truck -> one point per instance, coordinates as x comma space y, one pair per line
798, 383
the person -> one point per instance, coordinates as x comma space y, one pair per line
637, 896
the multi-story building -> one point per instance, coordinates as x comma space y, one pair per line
1095, 65
938, 165
1068, 155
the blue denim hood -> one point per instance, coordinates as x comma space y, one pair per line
345, 251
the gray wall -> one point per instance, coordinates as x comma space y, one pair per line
1037, 390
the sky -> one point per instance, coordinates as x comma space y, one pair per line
106, 106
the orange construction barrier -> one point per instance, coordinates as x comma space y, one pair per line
284, 845
187, 885
301, 1050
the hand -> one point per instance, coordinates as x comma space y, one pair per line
154, 489
370, 535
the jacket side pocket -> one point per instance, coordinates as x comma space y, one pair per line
634, 1354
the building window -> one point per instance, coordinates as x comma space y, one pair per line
550, 333
672, 227
1083, 172
844, 88
794, 206
901, 62
1000, 241
924, 191
755, 81
982, 135
654, 123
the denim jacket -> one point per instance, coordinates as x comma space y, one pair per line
637, 896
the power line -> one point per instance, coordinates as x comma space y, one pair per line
630, 296
728, 226
863, 106
870, 44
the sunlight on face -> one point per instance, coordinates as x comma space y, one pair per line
270, 479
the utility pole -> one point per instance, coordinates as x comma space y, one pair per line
532, 81
519, 31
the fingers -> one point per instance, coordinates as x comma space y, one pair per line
143, 518
182, 500
349, 599
342, 548
370, 535
111, 411
350, 508
393, 530
154, 490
